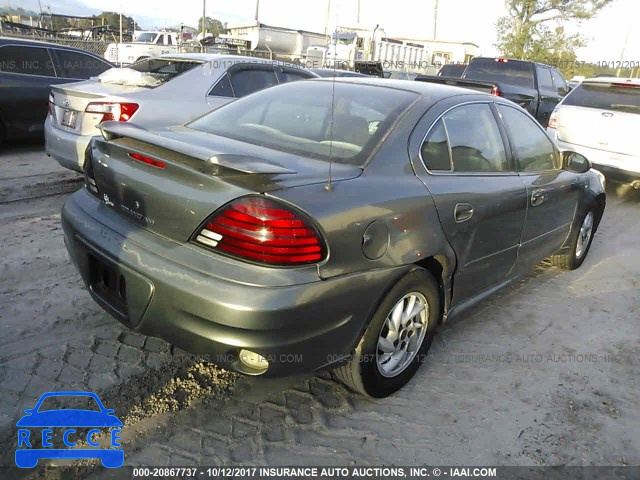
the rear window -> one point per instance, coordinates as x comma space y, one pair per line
605, 97
165, 69
511, 72
310, 119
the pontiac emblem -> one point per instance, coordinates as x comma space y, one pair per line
66, 103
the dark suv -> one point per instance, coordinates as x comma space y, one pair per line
27, 71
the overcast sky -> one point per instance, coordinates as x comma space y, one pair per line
458, 20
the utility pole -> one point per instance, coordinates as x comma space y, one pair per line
204, 16
435, 21
326, 21
358, 20
624, 48
120, 22
257, 9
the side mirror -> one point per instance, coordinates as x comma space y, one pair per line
574, 162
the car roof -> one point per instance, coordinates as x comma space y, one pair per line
207, 57
434, 91
40, 43
612, 79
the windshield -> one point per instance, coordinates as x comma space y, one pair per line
510, 72
605, 97
343, 38
164, 69
310, 119
66, 402
146, 37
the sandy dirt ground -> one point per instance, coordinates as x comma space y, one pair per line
545, 372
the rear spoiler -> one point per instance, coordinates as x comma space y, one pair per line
240, 163
485, 87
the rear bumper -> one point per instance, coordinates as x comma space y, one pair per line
67, 148
298, 328
615, 166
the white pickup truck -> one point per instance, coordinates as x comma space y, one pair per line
146, 44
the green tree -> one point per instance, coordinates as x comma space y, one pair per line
113, 19
526, 33
212, 25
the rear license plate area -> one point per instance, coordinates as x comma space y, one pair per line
69, 118
106, 281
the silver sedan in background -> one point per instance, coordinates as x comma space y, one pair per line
155, 92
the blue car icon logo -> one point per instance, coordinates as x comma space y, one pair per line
36, 429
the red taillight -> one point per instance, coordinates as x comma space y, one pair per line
261, 230
501, 60
113, 111
553, 120
52, 105
496, 92
147, 160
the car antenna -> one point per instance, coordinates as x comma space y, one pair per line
329, 186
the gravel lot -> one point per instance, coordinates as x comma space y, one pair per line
544, 372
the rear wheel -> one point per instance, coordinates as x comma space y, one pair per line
580, 244
397, 339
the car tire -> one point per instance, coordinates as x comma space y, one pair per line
581, 241
371, 370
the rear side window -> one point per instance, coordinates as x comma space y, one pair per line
474, 142
26, 60
534, 150
246, 81
79, 65
510, 72
291, 75
544, 78
222, 88
605, 97
435, 150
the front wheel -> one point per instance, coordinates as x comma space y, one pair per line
580, 244
397, 339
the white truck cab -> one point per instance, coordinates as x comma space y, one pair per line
145, 44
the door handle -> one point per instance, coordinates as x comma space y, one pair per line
462, 212
538, 197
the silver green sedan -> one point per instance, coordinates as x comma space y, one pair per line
325, 224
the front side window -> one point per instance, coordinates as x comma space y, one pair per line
558, 82
249, 80
26, 60
533, 149
544, 78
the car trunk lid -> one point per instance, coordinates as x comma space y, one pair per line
169, 181
71, 100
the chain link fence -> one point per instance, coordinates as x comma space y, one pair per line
93, 46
